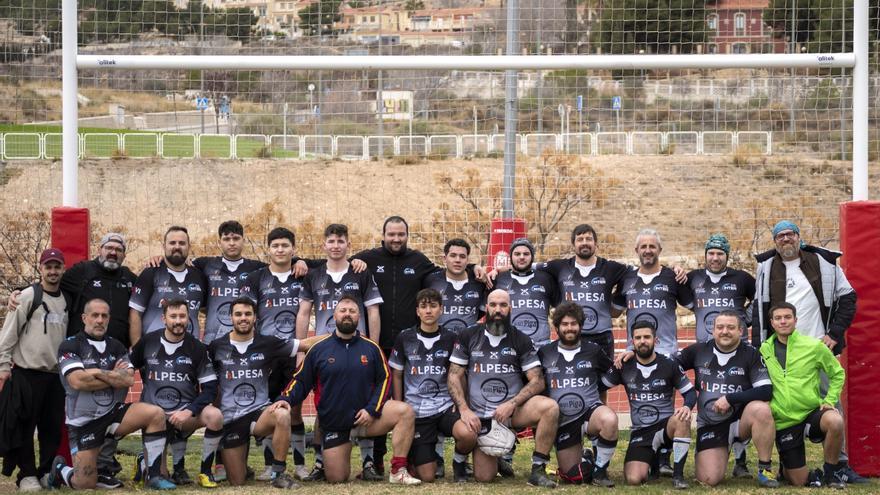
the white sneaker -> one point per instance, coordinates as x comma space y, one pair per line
300, 472
29, 484
266, 475
402, 477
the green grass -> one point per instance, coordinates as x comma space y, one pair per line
129, 447
103, 143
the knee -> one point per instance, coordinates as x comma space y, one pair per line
760, 412
833, 422
632, 479
406, 412
550, 409
708, 479
282, 417
213, 418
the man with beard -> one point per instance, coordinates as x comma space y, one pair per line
96, 374
420, 364
354, 382
491, 359
242, 361
573, 369
650, 381
733, 391
651, 292
810, 278
461, 292
716, 288
178, 377
532, 293
172, 279
30, 339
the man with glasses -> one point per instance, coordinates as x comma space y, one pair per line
809, 278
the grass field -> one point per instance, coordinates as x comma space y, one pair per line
22, 141
129, 447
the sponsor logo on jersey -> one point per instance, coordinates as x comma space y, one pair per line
352, 286
364, 360
707, 436
409, 271
598, 281
736, 371
507, 351
322, 292
194, 288
538, 288
662, 287
699, 290
442, 353
380, 269
659, 382
161, 290
728, 287
567, 283
569, 370
552, 369
257, 356
87, 438
582, 365
181, 291
152, 361
96, 283
183, 360
475, 353
716, 291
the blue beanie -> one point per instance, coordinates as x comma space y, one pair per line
785, 225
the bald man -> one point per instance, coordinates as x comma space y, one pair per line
491, 358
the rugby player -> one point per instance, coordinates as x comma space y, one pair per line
462, 293
799, 407
573, 370
733, 391
490, 359
715, 288
532, 293
651, 292
650, 381
242, 361
178, 377
420, 364
171, 279
354, 381
96, 374
322, 289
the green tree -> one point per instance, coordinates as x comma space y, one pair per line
823, 26
413, 5
655, 26
329, 12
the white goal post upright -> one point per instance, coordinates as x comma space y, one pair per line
858, 61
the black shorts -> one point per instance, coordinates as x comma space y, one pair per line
238, 431
280, 375
718, 435
425, 438
334, 438
604, 340
790, 441
92, 434
572, 433
645, 442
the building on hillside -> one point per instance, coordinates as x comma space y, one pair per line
737, 26
395, 25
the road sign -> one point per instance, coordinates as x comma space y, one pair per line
202, 103
580, 103
615, 103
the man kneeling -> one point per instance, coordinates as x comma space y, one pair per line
492, 358
354, 383
794, 361
96, 374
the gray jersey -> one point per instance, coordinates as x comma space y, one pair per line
424, 360
531, 297
592, 291
495, 366
718, 373
650, 388
154, 286
731, 292
223, 285
320, 288
243, 372
78, 353
572, 377
277, 302
462, 307
653, 301
171, 372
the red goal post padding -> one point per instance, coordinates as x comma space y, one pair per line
859, 234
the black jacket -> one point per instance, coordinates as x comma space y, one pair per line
87, 280
399, 277
15, 406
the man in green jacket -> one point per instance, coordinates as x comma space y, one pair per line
794, 361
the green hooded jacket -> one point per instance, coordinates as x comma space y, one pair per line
796, 388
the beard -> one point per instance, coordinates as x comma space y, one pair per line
569, 339
644, 352
176, 259
109, 264
498, 325
788, 251
347, 326
242, 331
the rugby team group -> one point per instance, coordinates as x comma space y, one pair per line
386, 342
